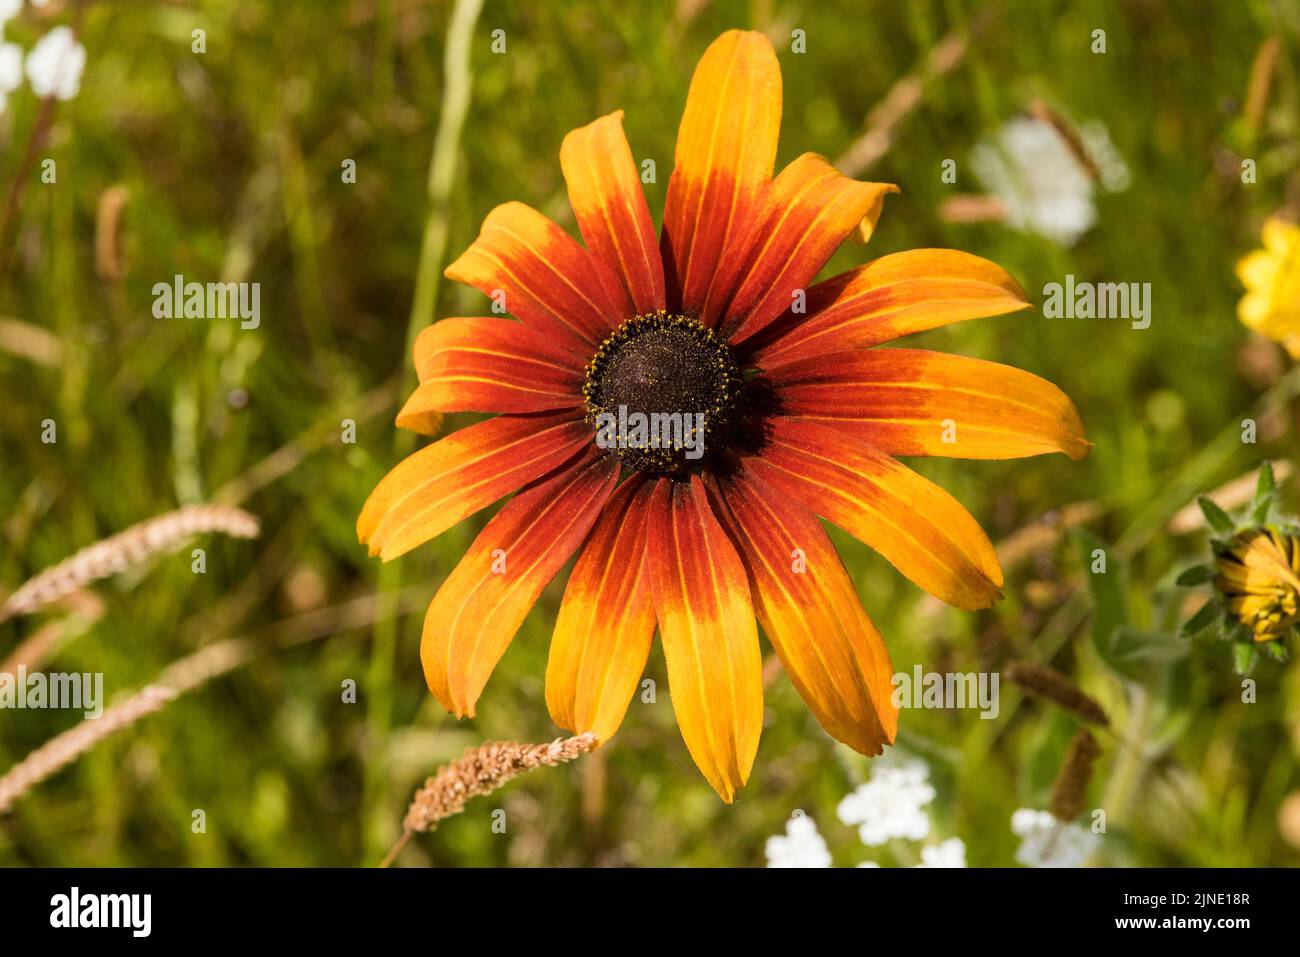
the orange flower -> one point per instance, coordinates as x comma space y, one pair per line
798, 418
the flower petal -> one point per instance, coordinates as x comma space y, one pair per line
1254, 310
921, 529
726, 149
1258, 269
611, 209
707, 627
482, 603
415, 418
1279, 235
914, 402
811, 209
606, 622
810, 612
431, 490
490, 365
889, 297
547, 279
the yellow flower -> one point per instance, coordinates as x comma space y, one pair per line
1257, 576
1271, 305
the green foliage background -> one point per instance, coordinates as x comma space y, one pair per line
232, 159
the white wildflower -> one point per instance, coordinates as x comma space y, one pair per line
11, 67
950, 853
55, 65
8, 10
1044, 187
801, 846
1046, 842
891, 804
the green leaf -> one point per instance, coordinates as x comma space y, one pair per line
1202, 619
1265, 490
1260, 511
1217, 518
1196, 575
1244, 657
1267, 482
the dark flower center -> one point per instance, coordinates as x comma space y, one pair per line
663, 391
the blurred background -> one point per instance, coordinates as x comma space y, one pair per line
231, 163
